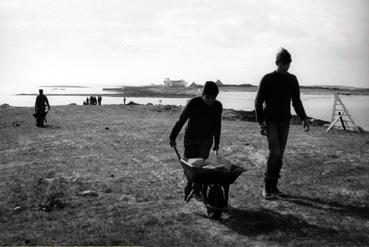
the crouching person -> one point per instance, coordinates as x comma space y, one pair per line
203, 129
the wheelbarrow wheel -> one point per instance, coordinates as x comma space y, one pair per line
215, 199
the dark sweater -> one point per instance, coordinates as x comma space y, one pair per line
203, 121
277, 90
41, 102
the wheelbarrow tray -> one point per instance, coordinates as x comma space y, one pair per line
209, 175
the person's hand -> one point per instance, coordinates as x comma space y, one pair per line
306, 124
262, 129
172, 143
216, 148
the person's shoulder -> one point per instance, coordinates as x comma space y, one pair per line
269, 76
194, 101
218, 105
292, 77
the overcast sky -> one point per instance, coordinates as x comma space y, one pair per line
115, 42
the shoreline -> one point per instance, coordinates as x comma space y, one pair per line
188, 92
137, 95
228, 114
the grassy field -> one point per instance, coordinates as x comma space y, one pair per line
122, 153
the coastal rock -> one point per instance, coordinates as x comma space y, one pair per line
88, 193
166, 108
18, 208
234, 115
318, 122
4, 106
108, 190
16, 124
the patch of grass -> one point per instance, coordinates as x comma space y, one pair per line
140, 183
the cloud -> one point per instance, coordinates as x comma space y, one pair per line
185, 37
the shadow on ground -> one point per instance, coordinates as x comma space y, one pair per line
330, 206
264, 221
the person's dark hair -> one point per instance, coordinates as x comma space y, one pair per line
210, 88
283, 56
41, 91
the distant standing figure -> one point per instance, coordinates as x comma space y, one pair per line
99, 99
272, 106
40, 107
124, 100
87, 101
92, 100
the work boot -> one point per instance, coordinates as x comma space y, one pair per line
267, 192
274, 189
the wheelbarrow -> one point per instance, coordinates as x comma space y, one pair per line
212, 184
40, 115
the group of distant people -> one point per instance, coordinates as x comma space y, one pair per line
203, 115
92, 100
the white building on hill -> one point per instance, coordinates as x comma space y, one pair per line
174, 83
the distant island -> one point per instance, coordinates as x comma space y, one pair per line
61, 86
161, 91
195, 89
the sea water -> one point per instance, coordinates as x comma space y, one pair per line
316, 105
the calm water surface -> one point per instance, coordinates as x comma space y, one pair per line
316, 106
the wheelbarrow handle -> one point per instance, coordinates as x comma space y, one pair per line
176, 150
179, 156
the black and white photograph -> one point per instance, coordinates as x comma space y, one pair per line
184, 123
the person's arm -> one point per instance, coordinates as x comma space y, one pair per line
218, 128
179, 124
298, 106
259, 101
47, 103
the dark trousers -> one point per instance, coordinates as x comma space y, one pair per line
40, 117
198, 148
277, 135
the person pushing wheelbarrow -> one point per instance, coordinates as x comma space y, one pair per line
205, 181
204, 115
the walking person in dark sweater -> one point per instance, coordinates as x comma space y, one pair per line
272, 106
204, 115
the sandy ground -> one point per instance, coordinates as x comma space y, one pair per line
122, 154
